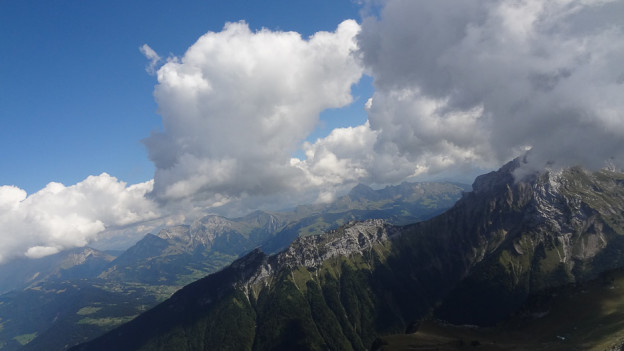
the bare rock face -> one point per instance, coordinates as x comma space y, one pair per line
578, 211
312, 251
545, 230
206, 230
83, 256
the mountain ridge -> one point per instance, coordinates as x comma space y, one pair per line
501, 243
162, 262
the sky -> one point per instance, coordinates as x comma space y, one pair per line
120, 117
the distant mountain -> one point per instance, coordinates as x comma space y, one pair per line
501, 245
402, 204
181, 254
75, 303
70, 264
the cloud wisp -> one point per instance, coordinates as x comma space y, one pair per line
152, 56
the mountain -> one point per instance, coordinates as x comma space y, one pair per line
551, 230
181, 254
64, 304
501, 245
401, 204
70, 264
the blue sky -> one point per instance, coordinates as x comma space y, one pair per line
75, 99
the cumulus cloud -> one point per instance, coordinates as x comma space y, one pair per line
60, 217
479, 82
342, 156
238, 105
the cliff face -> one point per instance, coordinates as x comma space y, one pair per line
548, 230
312, 251
475, 264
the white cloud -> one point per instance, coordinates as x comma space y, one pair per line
41, 251
152, 56
477, 82
341, 157
238, 105
59, 217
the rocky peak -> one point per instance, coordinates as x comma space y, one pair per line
179, 232
212, 221
82, 255
261, 219
355, 237
496, 180
363, 192
312, 251
204, 230
544, 230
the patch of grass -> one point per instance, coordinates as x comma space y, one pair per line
88, 310
300, 277
25, 338
107, 321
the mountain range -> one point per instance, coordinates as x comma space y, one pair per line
57, 301
509, 248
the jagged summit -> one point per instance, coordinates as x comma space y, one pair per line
363, 192
72, 263
311, 251
501, 178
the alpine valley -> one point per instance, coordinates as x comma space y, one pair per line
61, 300
532, 263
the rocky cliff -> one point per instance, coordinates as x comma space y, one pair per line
546, 230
